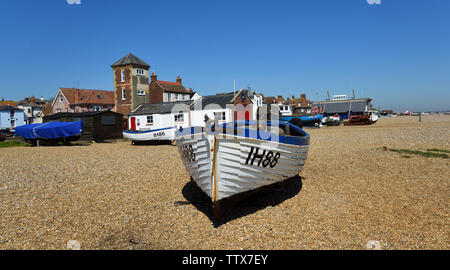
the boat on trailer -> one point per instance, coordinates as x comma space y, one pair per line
162, 134
241, 156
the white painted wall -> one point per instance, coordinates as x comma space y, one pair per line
198, 116
159, 121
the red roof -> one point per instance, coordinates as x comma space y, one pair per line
8, 106
173, 87
88, 96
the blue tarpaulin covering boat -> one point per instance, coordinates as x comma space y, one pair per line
50, 130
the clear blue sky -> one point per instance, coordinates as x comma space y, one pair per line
397, 52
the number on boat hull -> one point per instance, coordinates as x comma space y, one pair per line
188, 153
267, 158
159, 134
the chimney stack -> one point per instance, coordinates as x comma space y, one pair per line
179, 80
153, 77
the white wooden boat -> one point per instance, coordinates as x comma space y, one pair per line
162, 134
238, 157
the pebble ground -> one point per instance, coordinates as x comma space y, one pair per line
122, 196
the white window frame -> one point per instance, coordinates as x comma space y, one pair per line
122, 76
98, 108
140, 72
141, 92
124, 97
61, 99
169, 96
178, 115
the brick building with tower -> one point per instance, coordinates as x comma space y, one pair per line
132, 87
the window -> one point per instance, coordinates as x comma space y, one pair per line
99, 96
123, 94
220, 116
29, 110
149, 119
58, 110
60, 99
179, 117
138, 122
169, 97
178, 97
141, 92
122, 75
140, 71
98, 108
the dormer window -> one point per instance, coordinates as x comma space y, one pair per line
99, 96
122, 76
140, 71
141, 92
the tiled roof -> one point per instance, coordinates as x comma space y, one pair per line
88, 96
161, 108
130, 59
47, 109
9, 107
10, 102
220, 99
173, 87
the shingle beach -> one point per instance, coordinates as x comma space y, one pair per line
353, 189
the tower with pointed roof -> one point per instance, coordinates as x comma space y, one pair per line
131, 83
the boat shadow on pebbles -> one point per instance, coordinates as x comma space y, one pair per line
155, 142
242, 204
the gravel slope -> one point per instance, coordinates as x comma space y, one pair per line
121, 196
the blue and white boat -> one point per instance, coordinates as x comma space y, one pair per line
161, 134
241, 156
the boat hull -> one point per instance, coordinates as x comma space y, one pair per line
164, 134
226, 165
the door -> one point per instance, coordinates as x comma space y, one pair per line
133, 123
242, 115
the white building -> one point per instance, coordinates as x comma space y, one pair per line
151, 116
222, 107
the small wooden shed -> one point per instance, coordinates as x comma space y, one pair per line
97, 126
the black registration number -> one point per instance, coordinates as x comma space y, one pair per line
159, 134
266, 158
188, 153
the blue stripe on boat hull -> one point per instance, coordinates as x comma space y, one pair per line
238, 128
145, 131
